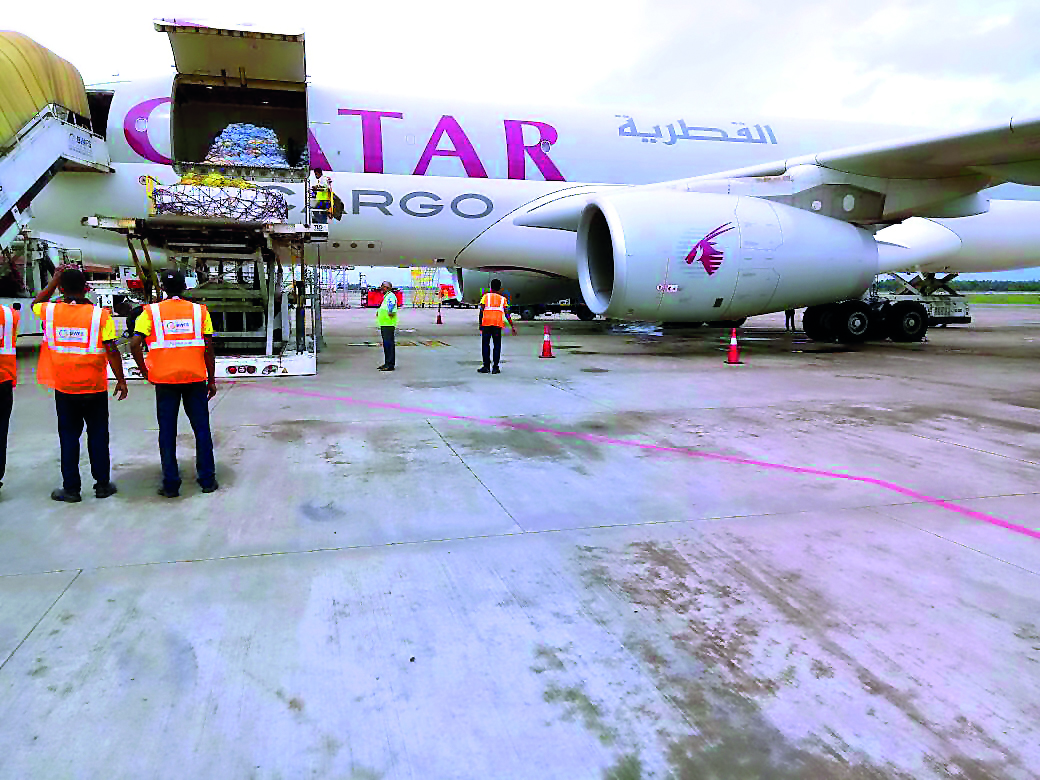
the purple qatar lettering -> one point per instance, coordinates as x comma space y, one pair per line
462, 148
515, 150
371, 134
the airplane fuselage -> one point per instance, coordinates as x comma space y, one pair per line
423, 182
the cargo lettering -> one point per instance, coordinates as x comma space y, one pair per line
468, 205
517, 151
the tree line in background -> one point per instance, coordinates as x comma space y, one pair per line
973, 285
991, 285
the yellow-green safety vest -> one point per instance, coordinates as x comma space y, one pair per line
383, 315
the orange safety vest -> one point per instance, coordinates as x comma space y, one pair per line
176, 345
72, 355
494, 311
8, 335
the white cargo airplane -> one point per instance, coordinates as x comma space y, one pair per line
657, 215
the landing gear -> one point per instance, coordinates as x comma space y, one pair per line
527, 313
853, 322
850, 321
906, 321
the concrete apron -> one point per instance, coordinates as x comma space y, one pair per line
386, 593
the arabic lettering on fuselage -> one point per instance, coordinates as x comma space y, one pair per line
742, 134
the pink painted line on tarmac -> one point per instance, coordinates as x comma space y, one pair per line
597, 439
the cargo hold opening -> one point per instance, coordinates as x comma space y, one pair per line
203, 109
100, 102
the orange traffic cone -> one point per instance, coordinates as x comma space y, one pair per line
733, 358
547, 345
439, 320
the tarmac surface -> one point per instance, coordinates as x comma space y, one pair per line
631, 561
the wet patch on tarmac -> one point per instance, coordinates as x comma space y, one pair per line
141, 481
290, 431
524, 444
322, 514
595, 370
437, 385
737, 645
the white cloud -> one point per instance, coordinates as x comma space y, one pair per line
926, 62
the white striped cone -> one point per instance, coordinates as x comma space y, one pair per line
546, 345
733, 356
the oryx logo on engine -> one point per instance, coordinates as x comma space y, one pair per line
706, 252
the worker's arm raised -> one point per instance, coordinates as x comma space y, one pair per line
47, 292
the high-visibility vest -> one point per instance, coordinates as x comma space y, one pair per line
494, 310
383, 315
8, 336
176, 345
323, 196
72, 354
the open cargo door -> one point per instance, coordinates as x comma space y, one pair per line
240, 54
239, 102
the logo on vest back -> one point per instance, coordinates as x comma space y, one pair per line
177, 327
72, 334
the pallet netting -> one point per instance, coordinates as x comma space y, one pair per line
238, 203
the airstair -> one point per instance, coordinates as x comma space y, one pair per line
50, 142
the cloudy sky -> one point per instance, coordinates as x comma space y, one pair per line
919, 62
928, 63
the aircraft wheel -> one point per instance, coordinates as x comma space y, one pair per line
851, 322
907, 321
816, 323
527, 314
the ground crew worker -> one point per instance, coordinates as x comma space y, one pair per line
8, 377
182, 367
322, 198
491, 318
386, 316
77, 338
788, 319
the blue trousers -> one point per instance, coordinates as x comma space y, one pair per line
490, 334
6, 404
389, 356
168, 399
74, 411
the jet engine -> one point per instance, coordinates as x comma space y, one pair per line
687, 256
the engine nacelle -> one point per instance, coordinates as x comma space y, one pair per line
687, 256
520, 287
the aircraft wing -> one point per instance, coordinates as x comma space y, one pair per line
937, 175
1008, 152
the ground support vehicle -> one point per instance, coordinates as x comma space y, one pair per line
240, 266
